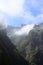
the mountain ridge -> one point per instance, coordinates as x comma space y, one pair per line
16, 34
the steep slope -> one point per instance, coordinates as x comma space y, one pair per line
8, 52
33, 44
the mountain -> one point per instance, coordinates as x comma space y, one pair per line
18, 34
11, 30
34, 36
9, 55
32, 47
23, 30
39, 27
29, 42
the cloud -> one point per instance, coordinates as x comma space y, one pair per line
24, 30
29, 18
33, 11
12, 7
2, 24
35, 6
28, 10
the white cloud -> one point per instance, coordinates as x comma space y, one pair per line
25, 30
34, 5
16, 8
11, 7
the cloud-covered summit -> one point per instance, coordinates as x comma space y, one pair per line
24, 30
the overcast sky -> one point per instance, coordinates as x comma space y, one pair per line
17, 12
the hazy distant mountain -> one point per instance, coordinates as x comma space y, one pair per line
38, 27
18, 34
11, 30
